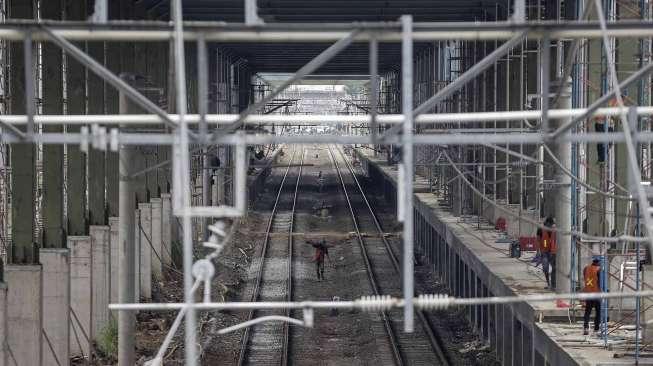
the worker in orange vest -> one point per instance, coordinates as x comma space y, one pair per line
591, 275
548, 247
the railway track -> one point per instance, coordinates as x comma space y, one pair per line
267, 343
422, 347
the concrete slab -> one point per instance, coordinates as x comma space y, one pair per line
113, 232
157, 247
81, 280
25, 313
166, 228
56, 305
101, 265
3, 325
145, 249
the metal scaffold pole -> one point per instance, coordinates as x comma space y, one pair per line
407, 151
126, 259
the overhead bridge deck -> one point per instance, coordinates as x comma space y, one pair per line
470, 261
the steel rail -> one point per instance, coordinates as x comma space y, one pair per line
259, 275
289, 290
396, 353
435, 341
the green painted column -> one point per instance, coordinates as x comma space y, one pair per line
22, 156
96, 158
76, 159
54, 232
113, 63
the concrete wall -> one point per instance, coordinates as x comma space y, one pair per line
145, 233
101, 266
56, 305
81, 280
3, 324
25, 312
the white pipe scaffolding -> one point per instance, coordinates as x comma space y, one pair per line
388, 119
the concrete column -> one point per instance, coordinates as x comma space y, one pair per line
3, 325
22, 155
166, 228
146, 254
76, 104
562, 213
54, 229
25, 313
81, 306
646, 317
136, 256
101, 265
157, 248
114, 233
56, 305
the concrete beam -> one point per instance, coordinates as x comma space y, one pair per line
114, 231
4, 355
145, 232
56, 305
25, 313
157, 247
23, 175
81, 282
101, 287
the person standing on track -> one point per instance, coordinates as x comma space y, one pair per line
321, 251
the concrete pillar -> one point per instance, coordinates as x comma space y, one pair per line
22, 155
646, 317
3, 325
562, 151
166, 228
53, 235
146, 254
113, 63
137, 256
101, 266
25, 313
81, 306
114, 230
157, 248
56, 305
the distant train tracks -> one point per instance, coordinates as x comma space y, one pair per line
267, 343
423, 347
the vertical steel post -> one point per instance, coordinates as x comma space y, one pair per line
202, 103
407, 154
126, 260
374, 87
182, 186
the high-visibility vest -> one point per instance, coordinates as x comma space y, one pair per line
591, 278
548, 242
